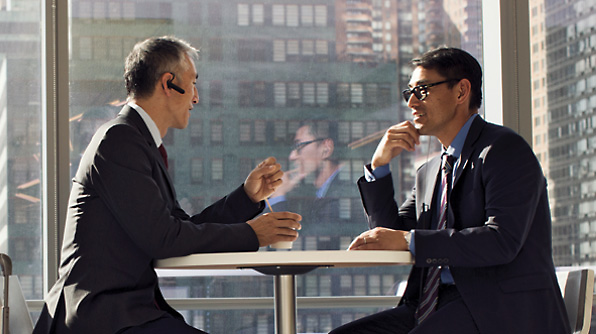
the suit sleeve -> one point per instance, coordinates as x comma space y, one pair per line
381, 208
126, 176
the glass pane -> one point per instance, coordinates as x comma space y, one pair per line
563, 46
20, 141
268, 69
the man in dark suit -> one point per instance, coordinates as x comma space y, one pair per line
123, 213
488, 253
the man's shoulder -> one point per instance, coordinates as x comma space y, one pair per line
495, 133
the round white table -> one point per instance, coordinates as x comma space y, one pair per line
284, 265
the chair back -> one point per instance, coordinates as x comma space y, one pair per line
577, 287
15, 318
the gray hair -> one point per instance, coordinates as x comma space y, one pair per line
150, 59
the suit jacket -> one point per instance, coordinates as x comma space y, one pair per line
123, 215
498, 240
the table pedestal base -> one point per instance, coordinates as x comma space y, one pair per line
285, 304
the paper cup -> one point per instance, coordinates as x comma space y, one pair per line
282, 245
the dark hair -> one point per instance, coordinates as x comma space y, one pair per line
453, 63
323, 129
150, 59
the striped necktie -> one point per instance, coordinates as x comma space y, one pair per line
430, 293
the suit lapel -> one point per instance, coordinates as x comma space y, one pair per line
427, 180
132, 117
469, 147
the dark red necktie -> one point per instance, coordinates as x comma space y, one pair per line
164, 154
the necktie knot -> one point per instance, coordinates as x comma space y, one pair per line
448, 161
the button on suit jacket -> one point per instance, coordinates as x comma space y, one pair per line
123, 215
498, 239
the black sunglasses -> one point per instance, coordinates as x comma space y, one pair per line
421, 91
298, 146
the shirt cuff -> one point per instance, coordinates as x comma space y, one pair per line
379, 172
412, 246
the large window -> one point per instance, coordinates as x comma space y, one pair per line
266, 68
21, 110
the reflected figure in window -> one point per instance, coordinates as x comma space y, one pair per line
312, 187
123, 212
477, 222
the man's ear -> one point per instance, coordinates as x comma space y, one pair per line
463, 88
164, 80
328, 147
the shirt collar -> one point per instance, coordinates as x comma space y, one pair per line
321, 192
149, 122
457, 144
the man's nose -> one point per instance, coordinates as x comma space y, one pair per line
413, 100
195, 98
293, 155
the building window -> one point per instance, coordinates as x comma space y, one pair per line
216, 132
321, 16
279, 91
245, 132
196, 131
260, 131
244, 94
306, 15
343, 94
279, 15
356, 93
217, 169
243, 14
308, 93
293, 94
292, 15
196, 170
308, 48
259, 94
322, 50
280, 131
258, 14
322, 94
293, 50
279, 50
215, 94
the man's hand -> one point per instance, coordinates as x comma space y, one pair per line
380, 238
397, 138
263, 180
276, 226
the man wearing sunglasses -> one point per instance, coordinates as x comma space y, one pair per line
477, 221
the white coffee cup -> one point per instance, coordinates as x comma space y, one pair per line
282, 245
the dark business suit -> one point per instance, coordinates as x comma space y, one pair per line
123, 215
498, 240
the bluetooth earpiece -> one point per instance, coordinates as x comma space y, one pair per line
174, 86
